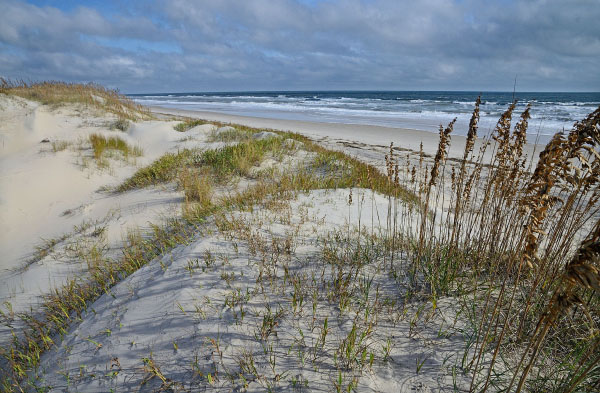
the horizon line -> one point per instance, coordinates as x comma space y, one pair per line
363, 91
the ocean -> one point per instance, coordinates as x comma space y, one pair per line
421, 110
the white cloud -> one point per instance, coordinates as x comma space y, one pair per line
286, 44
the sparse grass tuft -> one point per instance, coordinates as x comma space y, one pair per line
196, 186
101, 145
230, 135
120, 124
188, 124
198, 192
162, 170
60, 145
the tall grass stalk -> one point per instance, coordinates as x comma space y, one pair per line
507, 239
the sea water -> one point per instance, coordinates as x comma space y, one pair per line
421, 110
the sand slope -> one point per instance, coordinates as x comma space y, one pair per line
194, 318
221, 311
49, 196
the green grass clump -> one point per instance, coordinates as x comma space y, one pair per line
188, 124
161, 170
102, 144
337, 169
197, 185
120, 124
91, 95
351, 171
238, 159
231, 135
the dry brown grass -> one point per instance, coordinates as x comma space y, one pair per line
511, 241
503, 236
89, 95
496, 233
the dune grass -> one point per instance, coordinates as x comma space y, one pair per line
231, 135
90, 95
516, 243
60, 145
520, 244
120, 124
188, 124
102, 145
236, 160
162, 170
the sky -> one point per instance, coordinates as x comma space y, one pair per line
259, 45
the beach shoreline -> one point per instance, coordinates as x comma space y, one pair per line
373, 136
203, 261
419, 110
193, 210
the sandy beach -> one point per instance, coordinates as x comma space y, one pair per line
343, 196
209, 251
367, 136
58, 206
33, 193
41, 207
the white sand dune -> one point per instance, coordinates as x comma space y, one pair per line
175, 311
46, 195
194, 318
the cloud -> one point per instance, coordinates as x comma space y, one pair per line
185, 45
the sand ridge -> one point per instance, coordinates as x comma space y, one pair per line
252, 301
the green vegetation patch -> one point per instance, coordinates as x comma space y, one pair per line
188, 124
338, 170
330, 169
102, 144
161, 170
231, 135
238, 159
